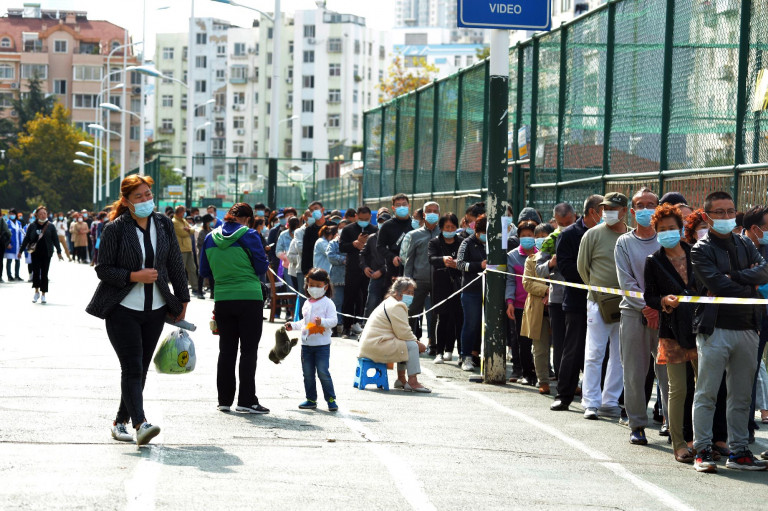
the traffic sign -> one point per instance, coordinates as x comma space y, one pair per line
505, 14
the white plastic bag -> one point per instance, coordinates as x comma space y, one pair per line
176, 354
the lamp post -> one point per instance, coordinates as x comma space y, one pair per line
84, 164
101, 129
109, 74
85, 143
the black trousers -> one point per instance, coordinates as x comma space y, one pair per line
8, 264
134, 336
355, 296
450, 319
240, 323
573, 355
557, 327
521, 346
41, 263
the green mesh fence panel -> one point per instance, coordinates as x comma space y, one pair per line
637, 90
472, 124
371, 176
576, 194
426, 140
547, 108
445, 167
407, 141
390, 123
756, 122
703, 94
584, 117
525, 114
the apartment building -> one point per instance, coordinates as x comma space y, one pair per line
71, 55
437, 14
432, 45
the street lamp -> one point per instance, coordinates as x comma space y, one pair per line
84, 155
114, 108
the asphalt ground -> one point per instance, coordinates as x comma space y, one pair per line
465, 446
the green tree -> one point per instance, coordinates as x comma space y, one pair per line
40, 168
33, 103
483, 53
402, 79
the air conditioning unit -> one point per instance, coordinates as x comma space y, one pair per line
289, 106
241, 132
137, 90
14, 85
14, 113
289, 81
311, 40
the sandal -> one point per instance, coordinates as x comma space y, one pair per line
687, 457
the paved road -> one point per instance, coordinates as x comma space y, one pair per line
464, 446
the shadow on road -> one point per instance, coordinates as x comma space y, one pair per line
206, 458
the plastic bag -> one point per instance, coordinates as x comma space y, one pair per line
176, 354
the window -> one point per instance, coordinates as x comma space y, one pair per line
239, 49
30, 70
238, 122
238, 74
167, 100
183, 101
201, 38
116, 74
355, 121
468, 60
255, 123
114, 45
306, 155
354, 96
221, 50
168, 53
200, 86
7, 71
382, 52
256, 98
457, 60
334, 45
309, 31
255, 148
115, 100
5, 42
370, 49
369, 74
184, 76
134, 133
256, 74
166, 125
269, 58
270, 31
565, 5
334, 121
357, 47
290, 46
238, 147
308, 81
288, 148
6, 100
356, 72
290, 72
307, 105
84, 101
136, 104
200, 135
59, 86
269, 109
184, 53
199, 158
381, 75
334, 95
201, 62
220, 74
309, 56
238, 98
169, 74
269, 82
59, 46
334, 69
256, 49
218, 147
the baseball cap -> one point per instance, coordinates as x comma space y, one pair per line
615, 199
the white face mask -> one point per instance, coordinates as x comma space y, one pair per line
701, 233
611, 217
316, 292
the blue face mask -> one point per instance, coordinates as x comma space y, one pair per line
259, 212
669, 239
415, 224
363, 223
408, 300
469, 231
317, 214
483, 238
724, 226
85, 215
401, 211
61, 218
643, 217
142, 209
527, 242
283, 221
265, 231
432, 218
540, 242
310, 221
449, 234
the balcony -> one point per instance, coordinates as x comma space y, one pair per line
238, 79
88, 49
166, 131
34, 47
238, 55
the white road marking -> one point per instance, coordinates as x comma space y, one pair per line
404, 478
662, 495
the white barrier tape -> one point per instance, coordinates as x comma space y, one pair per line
635, 294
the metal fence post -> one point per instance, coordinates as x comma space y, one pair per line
381, 150
314, 179
741, 93
486, 104
416, 152
435, 127
459, 130
561, 112
237, 179
666, 94
397, 146
366, 140
610, 59
534, 119
519, 192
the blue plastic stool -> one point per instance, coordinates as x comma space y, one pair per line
379, 378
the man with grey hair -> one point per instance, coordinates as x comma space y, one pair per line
418, 268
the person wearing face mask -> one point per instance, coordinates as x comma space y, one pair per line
515, 296
471, 215
668, 274
472, 260
418, 268
311, 235
5, 239
295, 253
79, 229
695, 227
206, 227
319, 257
338, 262
534, 323
61, 231
387, 336
639, 324
234, 256
597, 266
416, 222
391, 235
357, 277
374, 264
12, 247
726, 265
43, 234
139, 258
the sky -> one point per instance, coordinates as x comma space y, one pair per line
379, 14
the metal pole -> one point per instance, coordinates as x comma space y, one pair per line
435, 132
237, 179
609, 65
519, 180
274, 139
494, 363
741, 93
381, 151
123, 117
666, 91
561, 111
459, 130
397, 146
190, 95
484, 157
534, 119
416, 139
141, 86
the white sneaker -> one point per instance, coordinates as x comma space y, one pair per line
36, 297
439, 359
447, 357
467, 365
120, 432
42, 299
146, 432
356, 329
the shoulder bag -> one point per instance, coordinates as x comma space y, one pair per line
33, 246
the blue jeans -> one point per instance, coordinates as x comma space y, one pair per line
377, 288
472, 304
316, 359
338, 300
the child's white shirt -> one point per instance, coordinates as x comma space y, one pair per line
323, 308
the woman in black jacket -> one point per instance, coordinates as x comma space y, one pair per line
43, 234
669, 273
471, 261
446, 279
139, 257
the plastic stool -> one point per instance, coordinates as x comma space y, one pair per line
379, 379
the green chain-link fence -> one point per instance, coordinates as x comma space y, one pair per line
637, 92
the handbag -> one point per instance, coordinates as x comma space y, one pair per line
609, 306
682, 318
33, 245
